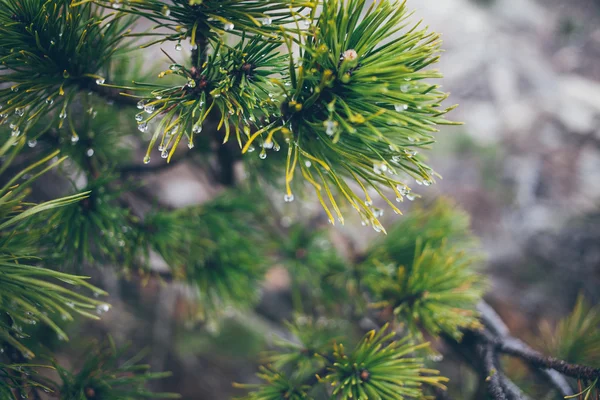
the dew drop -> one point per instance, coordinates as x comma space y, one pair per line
308, 164
228, 26
32, 143
140, 104
89, 152
149, 108
139, 117
74, 139
146, 159
164, 154
288, 198
100, 81
266, 21
401, 107
165, 11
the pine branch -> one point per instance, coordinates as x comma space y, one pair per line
501, 340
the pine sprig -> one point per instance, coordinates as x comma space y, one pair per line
425, 271
358, 106
104, 375
199, 20
233, 82
437, 292
377, 368
31, 294
94, 230
380, 369
576, 338
50, 51
216, 248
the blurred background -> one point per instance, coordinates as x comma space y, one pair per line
525, 166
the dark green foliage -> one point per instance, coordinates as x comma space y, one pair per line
356, 107
104, 375
276, 387
215, 247
310, 348
233, 81
436, 292
207, 19
50, 52
377, 368
31, 294
380, 369
576, 338
96, 229
424, 271
348, 105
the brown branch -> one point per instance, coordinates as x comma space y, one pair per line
500, 338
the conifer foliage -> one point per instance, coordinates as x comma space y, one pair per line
334, 96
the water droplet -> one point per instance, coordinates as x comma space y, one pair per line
404, 88
377, 226
401, 107
89, 152
411, 139
143, 127
146, 159
192, 83
190, 145
418, 182
63, 114
139, 117
19, 111
164, 154
308, 164
66, 74
197, 128
268, 145
165, 11
266, 21
251, 149
74, 138
228, 26
140, 104
174, 67
263, 154
15, 132
14, 88
288, 198
149, 108
32, 143
102, 308
100, 81
410, 196
50, 101
330, 127
427, 182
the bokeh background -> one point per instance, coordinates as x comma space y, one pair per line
525, 166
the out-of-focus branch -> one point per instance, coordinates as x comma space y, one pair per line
498, 336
